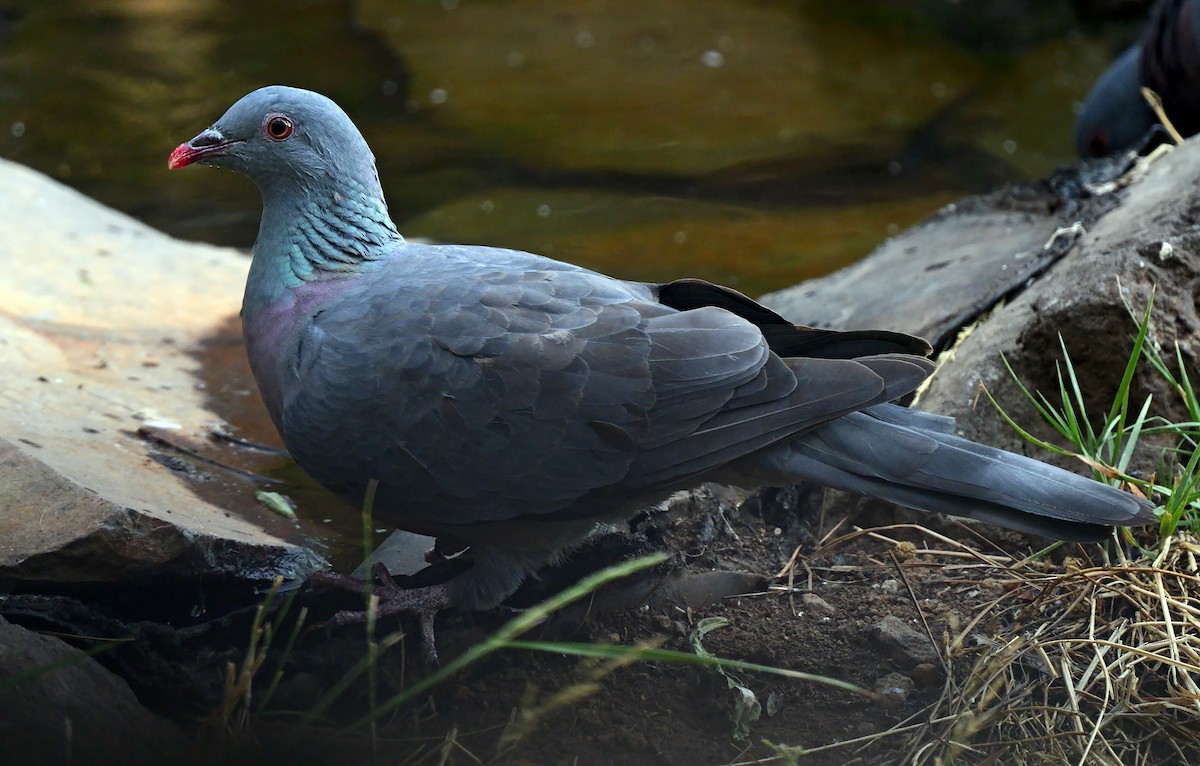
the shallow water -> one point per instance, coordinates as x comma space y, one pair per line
751, 142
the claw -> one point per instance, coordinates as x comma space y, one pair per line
424, 603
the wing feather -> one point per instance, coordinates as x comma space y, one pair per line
497, 393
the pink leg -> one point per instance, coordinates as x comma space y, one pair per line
425, 602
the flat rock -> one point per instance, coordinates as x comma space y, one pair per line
1145, 244
1021, 269
930, 280
100, 319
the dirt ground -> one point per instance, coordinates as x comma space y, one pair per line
509, 708
860, 608
874, 610
659, 713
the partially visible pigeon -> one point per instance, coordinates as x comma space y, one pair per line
1166, 60
511, 402
1115, 116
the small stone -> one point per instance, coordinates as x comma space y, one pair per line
891, 586
775, 702
907, 646
814, 603
926, 674
905, 550
893, 689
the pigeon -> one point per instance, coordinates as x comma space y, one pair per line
1115, 115
512, 403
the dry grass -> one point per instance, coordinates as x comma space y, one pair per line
1079, 663
1093, 665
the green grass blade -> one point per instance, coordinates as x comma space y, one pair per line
1119, 412
1133, 437
1026, 435
1072, 398
1181, 497
1039, 402
523, 622
1185, 385
651, 654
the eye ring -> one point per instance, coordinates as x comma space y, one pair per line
278, 127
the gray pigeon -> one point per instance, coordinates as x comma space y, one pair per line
510, 402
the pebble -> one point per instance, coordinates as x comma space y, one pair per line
926, 674
907, 646
814, 603
893, 689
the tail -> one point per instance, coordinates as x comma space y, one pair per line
915, 460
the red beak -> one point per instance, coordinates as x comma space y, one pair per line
207, 143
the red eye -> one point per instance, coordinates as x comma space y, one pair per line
278, 126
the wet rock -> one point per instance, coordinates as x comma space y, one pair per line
750, 82
100, 316
622, 232
60, 706
51, 57
907, 646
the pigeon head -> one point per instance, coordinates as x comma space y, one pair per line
281, 136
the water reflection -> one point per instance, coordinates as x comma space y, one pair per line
778, 139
